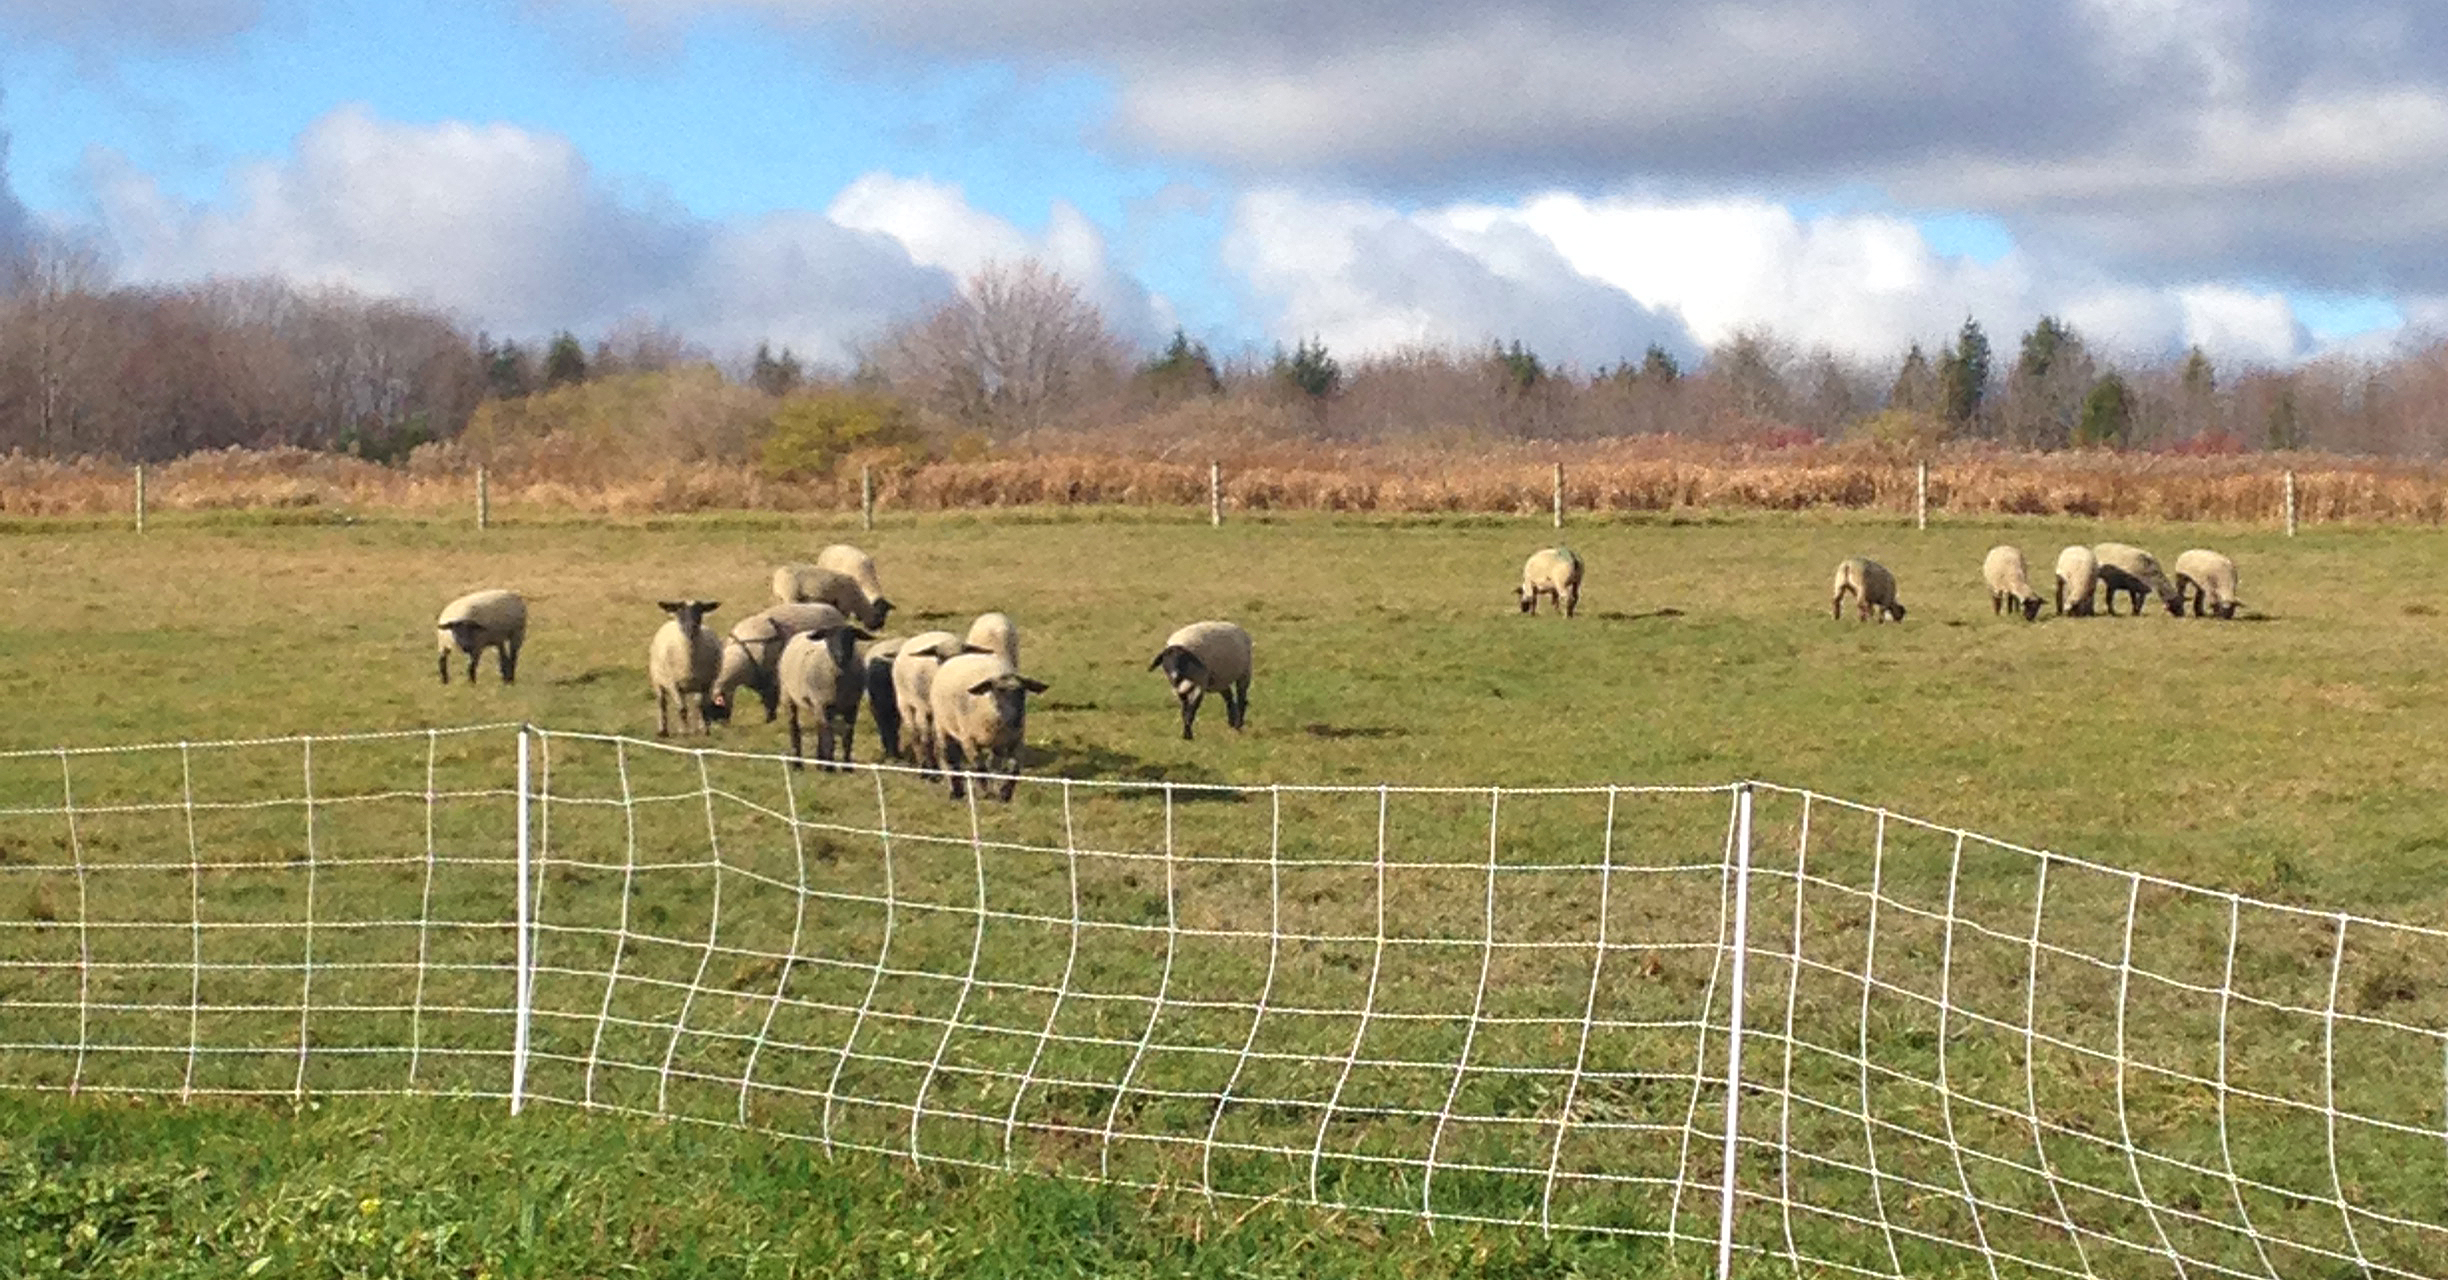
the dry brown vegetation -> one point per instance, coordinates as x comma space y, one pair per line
1641, 474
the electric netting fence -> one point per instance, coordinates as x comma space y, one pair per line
1499, 1005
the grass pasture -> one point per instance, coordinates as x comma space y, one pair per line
2286, 756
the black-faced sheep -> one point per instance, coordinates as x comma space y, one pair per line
682, 661
980, 706
2210, 578
1204, 658
1871, 586
2131, 571
480, 620
2009, 583
1554, 572
2077, 579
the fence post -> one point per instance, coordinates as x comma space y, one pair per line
523, 996
1215, 494
140, 497
2290, 502
867, 497
1559, 495
1921, 495
1734, 1027
484, 505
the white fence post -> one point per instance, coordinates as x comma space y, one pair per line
525, 976
140, 497
867, 497
1734, 1027
1215, 494
1921, 495
484, 507
2290, 503
1559, 495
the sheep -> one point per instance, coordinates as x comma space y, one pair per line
2009, 583
2077, 578
859, 567
799, 583
913, 671
994, 633
821, 677
884, 705
755, 645
1554, 572
682, 661
2133, 571
1204, 658
479, 620
980, 707
2212, 579
1871, 586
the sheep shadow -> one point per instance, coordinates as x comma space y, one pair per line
587, 677
1618, 615
1097, 762
1339, 732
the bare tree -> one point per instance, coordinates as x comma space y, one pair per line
50, 311
1016, 348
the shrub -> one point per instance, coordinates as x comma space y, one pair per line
809, 435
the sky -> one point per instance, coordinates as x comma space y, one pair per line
2267, 179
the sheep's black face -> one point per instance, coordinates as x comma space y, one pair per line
718, 710
2175, 606
1525, 600
2031, 609
1895, 612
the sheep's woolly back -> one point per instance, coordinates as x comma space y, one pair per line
776, 624
1222, 649
813, 680
805, 583
973, 720
1553, 568
496, 617
913, 671
1869, 582
994, 633
2135, 563
854, 564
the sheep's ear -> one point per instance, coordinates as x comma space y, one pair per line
860, 632
708, 606
982, 687
669, 606
975, 648
1032, 685
1169, 651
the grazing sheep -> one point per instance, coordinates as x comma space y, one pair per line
2077, 578
994, 633
682, 662
480, 620
755, 645
2009, 583
2132, 571
883, 704
2212, 579
1554, 572
1204, 658
801, 583
1871, 586
913, 672
859, 567
980, 706
822, 678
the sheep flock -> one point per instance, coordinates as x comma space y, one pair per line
955, 705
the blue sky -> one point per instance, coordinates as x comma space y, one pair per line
2268, 180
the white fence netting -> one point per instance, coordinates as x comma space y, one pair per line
1510, 1005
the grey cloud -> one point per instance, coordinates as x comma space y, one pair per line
14, 224
96, 25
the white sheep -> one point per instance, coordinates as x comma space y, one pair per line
682, 661
980, 707
2009, 583
479, 620
754, 647
821, 678
2077, 579
913, 672
803, 583
1203, 658
994, 633
883, 703
1871, 586
2129, 570
1554, 572
856, 565
2211, 578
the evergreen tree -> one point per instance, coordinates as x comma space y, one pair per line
1520, 368
1659, 366
1963, 376
1309, 369
1916, 386
2107, 414
2284, 427
565, 361
509, 372
1183, 369
776, 375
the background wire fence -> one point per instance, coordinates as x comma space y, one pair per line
1512, 1005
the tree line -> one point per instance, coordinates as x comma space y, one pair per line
91, 367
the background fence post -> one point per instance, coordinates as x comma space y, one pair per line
2290, 502
1734, 1028
1921, 495
1559, 495
523, 996
484, 505
867, 497
1215, 494
140, 497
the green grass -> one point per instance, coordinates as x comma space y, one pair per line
2287, 756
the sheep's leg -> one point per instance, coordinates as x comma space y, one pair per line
1572, 601
445, 665
1236, 704
1010, 769
1190, 705
952, 765
824, 742
473, 655
663, 713
509, 663
798, 749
